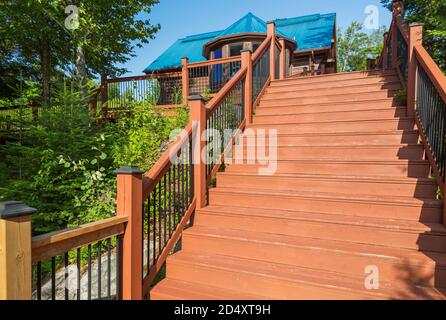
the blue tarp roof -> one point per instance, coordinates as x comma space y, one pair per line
310, 32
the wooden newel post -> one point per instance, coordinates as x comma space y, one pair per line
104, 95
185, 79
247, 62
130, 204
198, 119
283, 67
415, 39
271, 31
15, 251
385, 55
397, 12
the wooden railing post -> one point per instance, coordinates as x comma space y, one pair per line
415, 39
397, 12
185, 79
385, 56
104, 95
130, 204
15, 251
283, 67
198, 118
247, 62
271, 31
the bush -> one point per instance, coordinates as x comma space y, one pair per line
63, 165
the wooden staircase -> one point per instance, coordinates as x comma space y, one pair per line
352, 190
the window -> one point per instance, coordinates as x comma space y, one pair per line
255, 46
234, 49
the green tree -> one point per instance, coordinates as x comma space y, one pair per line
432, 13
101, 35
355, 46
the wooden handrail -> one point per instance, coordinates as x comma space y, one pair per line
261, 49
53, 244
432, 70
163, 164
218, 98
402, 29
213, 62
145, 77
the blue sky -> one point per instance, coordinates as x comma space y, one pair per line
180, 18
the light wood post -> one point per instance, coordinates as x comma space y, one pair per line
385, 48
247, 62
15, 251
415, 39
185, 79
283, 67
271, 31
198, 119
130, 204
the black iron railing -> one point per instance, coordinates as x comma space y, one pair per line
168, 201
389, 54
260, 74
91, 272
210, 78
222, 122
148, 90
402, 49
277, 60
431, 109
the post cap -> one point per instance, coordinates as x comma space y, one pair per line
246, 50
271, 22
15, 209
128, 170
416, 24
195, 97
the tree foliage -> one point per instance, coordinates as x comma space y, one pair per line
432, 13
355, 46
63, 164
34, 38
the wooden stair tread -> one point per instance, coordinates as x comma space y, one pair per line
397, 256
329, 218
181, 290
325, 280
336, 196
377, 179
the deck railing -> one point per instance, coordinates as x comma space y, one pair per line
119, 258
425, 84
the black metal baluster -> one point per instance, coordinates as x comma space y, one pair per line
53, 278
89, 271
78, 264
39, 280
109, 269
99, 270
165, 208
66, 275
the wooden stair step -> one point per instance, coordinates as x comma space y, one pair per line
298, 92
349, 258
279, 281
335, 77
169, 289
332, 105
339, 138
408, 187
330, 226
367, 81
339, 126
349, 97
404, 152
321, 116
425, 210
399, 168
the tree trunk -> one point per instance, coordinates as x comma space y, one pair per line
45, 60
82, 72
